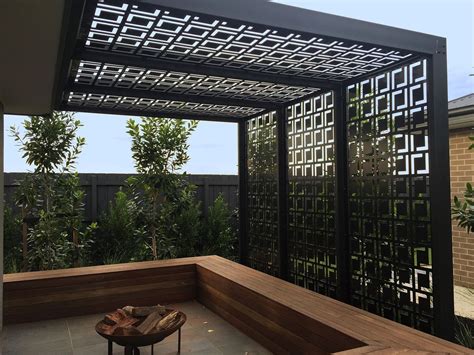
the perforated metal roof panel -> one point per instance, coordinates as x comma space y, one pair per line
162, 57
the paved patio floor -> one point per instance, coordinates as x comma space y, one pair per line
203, 333
464, 302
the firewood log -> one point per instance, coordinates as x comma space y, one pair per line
149, 323
143, 311
117, 319
168, 321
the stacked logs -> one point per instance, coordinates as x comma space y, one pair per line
134, 321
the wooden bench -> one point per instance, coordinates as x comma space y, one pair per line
281, 316
54, 294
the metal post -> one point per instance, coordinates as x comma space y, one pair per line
282, 141
2, 183
342, 243
243, 219
179, 340
440, 194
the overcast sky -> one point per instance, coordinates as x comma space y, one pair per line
213, 147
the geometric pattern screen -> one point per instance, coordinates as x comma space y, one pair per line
151, 31
389, 196
141, 79
311, 175
262, 195
389, 220
149, 106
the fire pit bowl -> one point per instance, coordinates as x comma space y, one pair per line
132, 342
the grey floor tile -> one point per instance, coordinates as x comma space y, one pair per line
97, 349
40, 352
204, 333
46, 347
37, 337
79, 341
37, 331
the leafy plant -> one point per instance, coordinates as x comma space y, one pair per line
218, 237
183, 221
12, 241
463, 210
51, 195
464, 332
48, 244
159, 148
114, 257
70, 202
118, 238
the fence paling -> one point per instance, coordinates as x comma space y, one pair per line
101, 188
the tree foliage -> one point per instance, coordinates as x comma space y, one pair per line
218, 237
155, 216
463, 209
11, 241
160, 150
50, 197
50, 143
119, 236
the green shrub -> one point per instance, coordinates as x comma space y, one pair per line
12, 241
49, 246
463, 210
465, 332
218, 236
183, 224
118, 239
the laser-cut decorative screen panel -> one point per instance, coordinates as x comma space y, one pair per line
262, 197
389, 196
142, 79
311, 175
146, 106
149, 31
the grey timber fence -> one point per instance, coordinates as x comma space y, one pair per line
100, 189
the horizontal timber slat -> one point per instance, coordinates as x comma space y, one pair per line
60, 293
281, 316
330, 316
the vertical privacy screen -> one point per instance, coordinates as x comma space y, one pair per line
263, 194
389, 196
387, 200
311, 177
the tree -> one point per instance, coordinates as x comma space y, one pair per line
159, 148
50, 196
463, 210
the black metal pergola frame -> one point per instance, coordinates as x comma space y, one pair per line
110, 66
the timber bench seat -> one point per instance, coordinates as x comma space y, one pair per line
281, 316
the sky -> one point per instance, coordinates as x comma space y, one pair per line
213, 146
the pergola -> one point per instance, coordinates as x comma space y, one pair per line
342, 126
